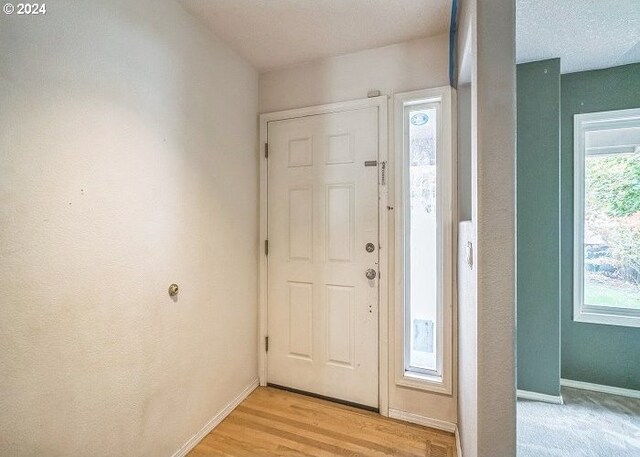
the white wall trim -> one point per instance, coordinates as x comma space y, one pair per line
215, 420
600, 388
422, 420
458, 444
381, 103
535, 396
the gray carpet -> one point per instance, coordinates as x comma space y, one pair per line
589, 424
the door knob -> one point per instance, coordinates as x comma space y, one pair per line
371, 273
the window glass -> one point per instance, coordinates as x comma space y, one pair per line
421, 250
612, 218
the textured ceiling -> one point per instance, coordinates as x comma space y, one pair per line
585, 34
277, 33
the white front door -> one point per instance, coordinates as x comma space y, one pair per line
323, 239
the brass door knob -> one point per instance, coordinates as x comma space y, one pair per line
173, 290
371, 273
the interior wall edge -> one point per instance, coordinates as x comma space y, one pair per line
215, 420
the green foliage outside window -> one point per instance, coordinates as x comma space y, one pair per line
612, 216
614, 184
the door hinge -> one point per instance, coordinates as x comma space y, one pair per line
266, 247
266, 150
266, 344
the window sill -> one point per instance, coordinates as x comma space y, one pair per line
423, 382
600, 315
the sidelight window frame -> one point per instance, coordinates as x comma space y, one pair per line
440, 379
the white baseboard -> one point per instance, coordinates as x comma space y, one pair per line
458, 445
600, 388
535, 396
215, 420
422, 420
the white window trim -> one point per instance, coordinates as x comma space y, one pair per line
583, 123
446, 202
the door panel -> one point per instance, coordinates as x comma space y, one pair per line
322, 211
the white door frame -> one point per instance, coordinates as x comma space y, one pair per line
381, 103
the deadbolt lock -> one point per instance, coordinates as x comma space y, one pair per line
370, 247
371, 274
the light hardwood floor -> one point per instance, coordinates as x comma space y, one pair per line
272, 422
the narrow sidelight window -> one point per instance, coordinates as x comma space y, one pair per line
421, 239
424, 225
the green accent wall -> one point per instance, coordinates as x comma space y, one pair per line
538, 227
600, 354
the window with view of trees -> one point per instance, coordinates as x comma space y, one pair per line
607, 218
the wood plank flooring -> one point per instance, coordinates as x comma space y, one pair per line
272, 422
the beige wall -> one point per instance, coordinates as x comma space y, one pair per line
127, 162
467, 345
400, 67
486, 59
464, 151
493, 209
467, 300
391, 69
